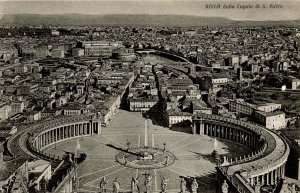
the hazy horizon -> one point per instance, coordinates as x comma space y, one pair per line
289, 11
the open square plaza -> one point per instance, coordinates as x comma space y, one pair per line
191, 156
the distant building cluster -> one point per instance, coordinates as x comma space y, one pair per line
143, 94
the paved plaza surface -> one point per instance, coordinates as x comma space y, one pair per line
190, 156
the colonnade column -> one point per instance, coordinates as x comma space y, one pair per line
83, 129
67, 131
46, 138
243, 137
37, 143
215, 130
98, 125
51, 136
275, 176
91, 128
42, 138
194, 129
72, 131
248, 140
80, 129
54, 135
271, 178
63, 132
263, 179
201, 128
279, 172
254, 142
208, 129
42, 141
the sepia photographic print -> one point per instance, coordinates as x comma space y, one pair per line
149, 96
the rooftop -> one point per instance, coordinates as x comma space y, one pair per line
270, 114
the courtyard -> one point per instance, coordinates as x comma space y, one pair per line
112, 155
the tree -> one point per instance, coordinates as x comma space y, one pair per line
273, 80
275, 96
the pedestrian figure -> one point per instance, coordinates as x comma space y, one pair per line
164, 184
167, 160
225, 187
134, 185
116, 186
182, 185
148, 182
103, 184
125, 159
194, 186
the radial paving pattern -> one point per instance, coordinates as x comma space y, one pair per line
117, 153
145, 158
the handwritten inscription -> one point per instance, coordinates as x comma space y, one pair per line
243, 6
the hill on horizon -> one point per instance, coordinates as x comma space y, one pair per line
132, 20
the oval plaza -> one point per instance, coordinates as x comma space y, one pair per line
265, 165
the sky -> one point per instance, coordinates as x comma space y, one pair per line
289, 10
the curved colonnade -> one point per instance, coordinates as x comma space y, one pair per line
48, 133
264, 166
